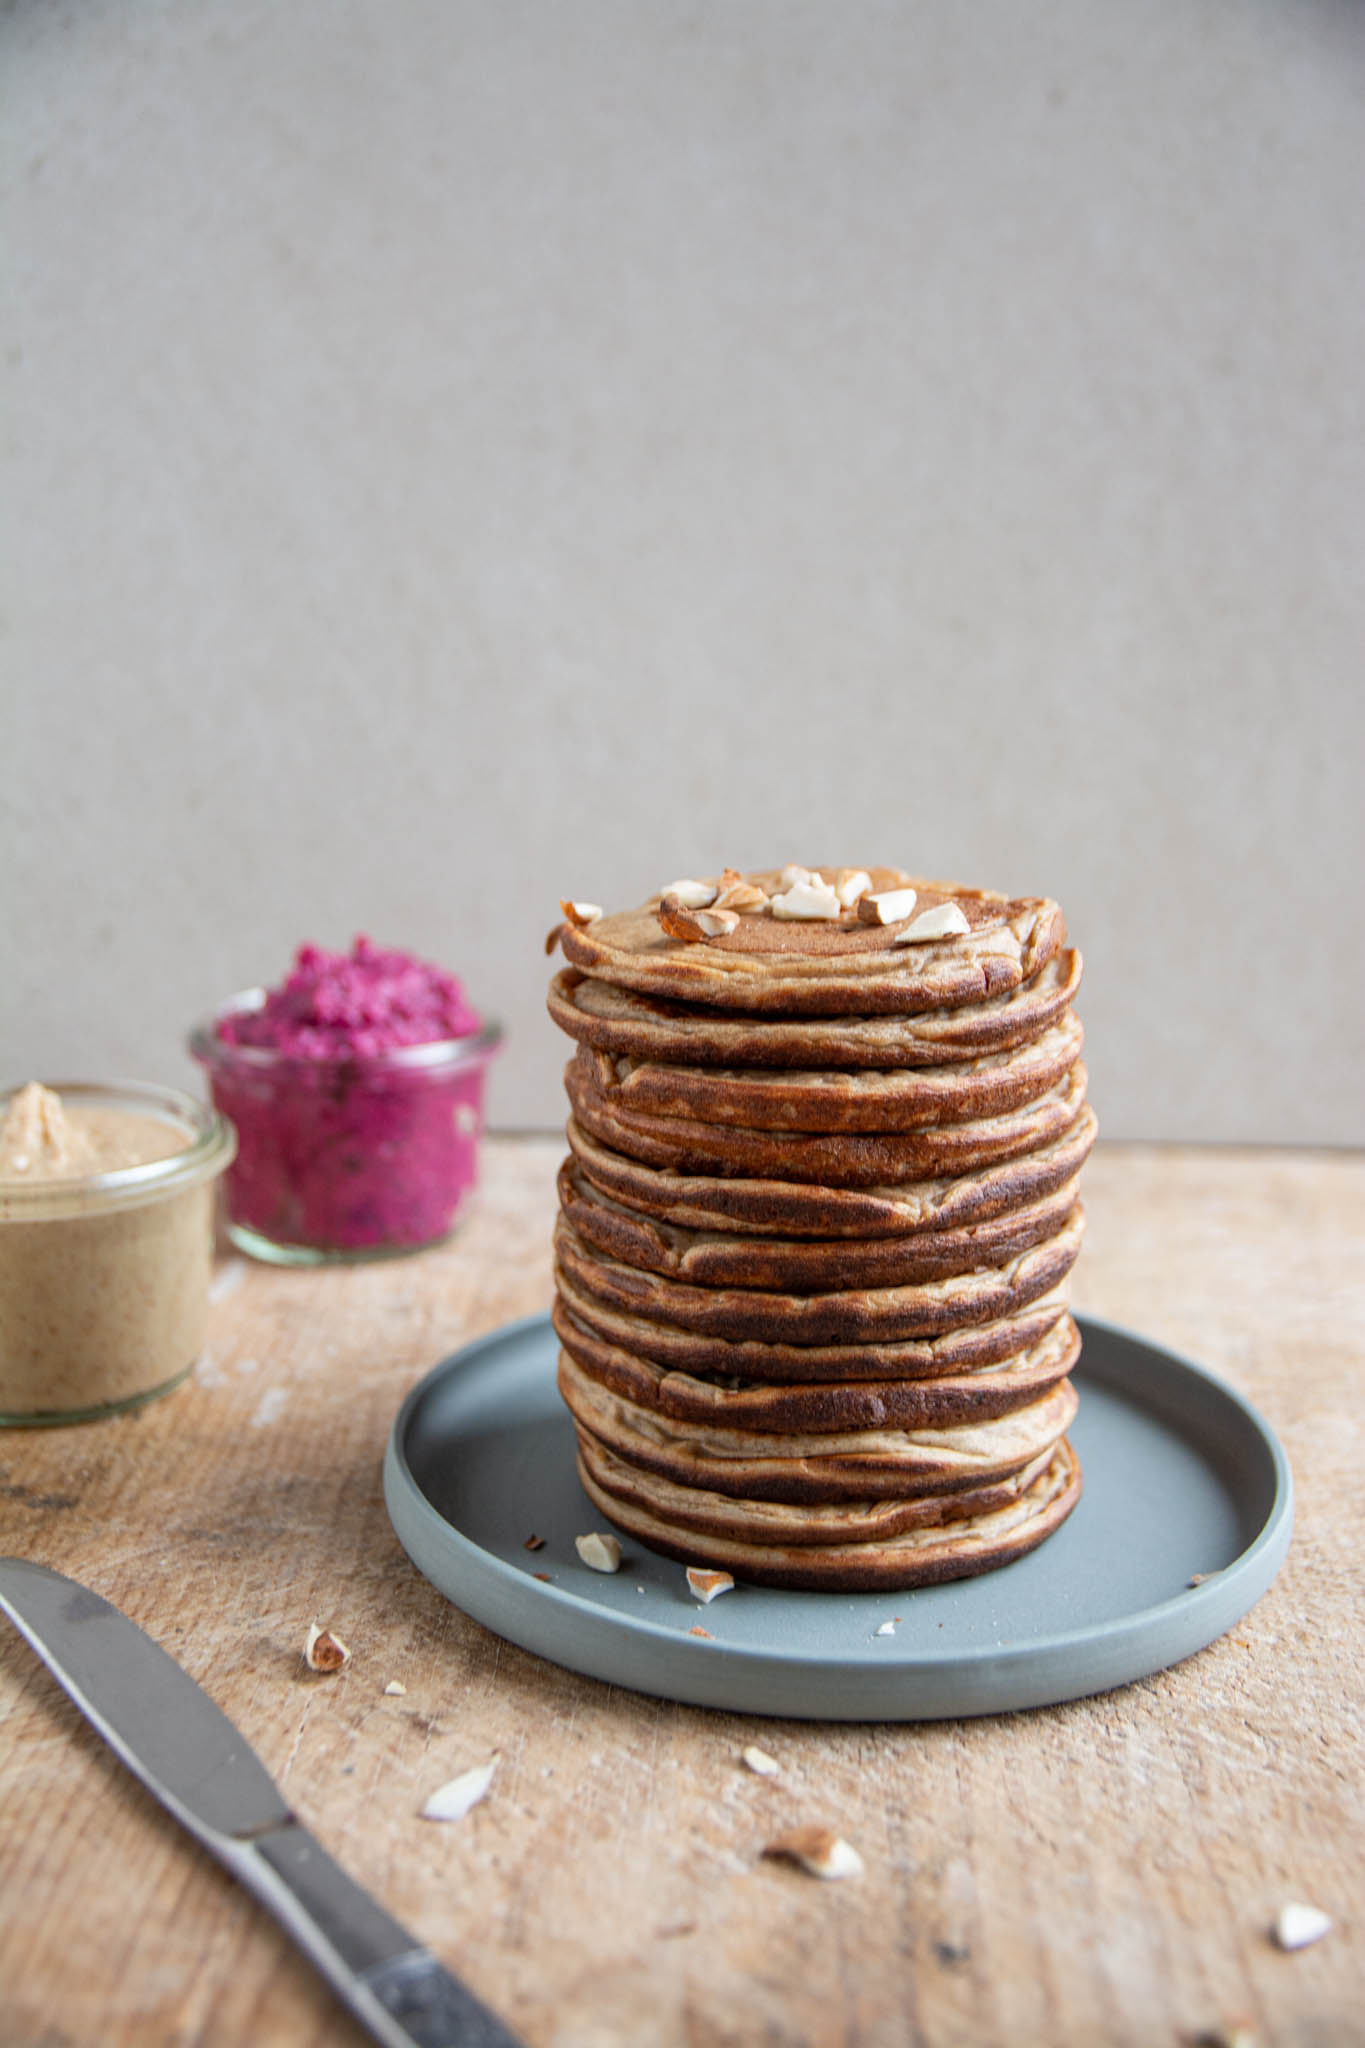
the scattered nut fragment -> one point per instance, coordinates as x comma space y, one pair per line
395, 1689
741, 895
453, 1800
812, 899
534, 1543
944, 921
888, 1628
323, 1651
759, 1761
698, 1630
791, 874
600, 1552
888, 907
681, 923
1297, 1925
580, 914
705, 1584
852, 885
692, 895
544, 1578
819, 1851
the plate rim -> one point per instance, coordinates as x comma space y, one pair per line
996, 1677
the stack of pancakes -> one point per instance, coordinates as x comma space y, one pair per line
815, 1229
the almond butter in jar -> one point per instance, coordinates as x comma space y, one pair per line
106, 1245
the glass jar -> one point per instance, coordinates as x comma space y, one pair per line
104, 1277
346, 1157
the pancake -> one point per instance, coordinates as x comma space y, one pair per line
809, 1466
817, 1223
843, 1316
626, 1024
831, 1159
980, 1393
827, 968
797, 1265
915, 1557
794, 1209
719, 1358
822, 1099
703, 1513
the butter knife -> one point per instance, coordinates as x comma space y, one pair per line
190, 1757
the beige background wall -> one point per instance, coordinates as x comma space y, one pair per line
460, 454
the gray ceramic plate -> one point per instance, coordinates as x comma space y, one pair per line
1182, 1478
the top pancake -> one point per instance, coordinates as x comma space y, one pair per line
629, 1025
827, 967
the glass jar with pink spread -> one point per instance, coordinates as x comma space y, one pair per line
356, 1088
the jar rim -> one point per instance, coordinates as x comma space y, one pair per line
472, 1049
212, 1147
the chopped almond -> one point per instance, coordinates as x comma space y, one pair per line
819, 1851
323, 1651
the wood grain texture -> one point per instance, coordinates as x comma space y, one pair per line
1102, 1872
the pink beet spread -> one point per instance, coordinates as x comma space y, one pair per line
341, 1147
352, 1005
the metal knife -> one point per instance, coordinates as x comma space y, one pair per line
190, 1757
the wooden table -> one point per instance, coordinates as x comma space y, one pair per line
1101, 1872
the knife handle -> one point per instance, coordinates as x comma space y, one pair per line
395, 1987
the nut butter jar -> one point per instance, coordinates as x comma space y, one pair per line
106, 1245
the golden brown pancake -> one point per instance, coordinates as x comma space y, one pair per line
795, 1209
701, 1512
831, 1159
975, 1393
625, 1024
823, 969
857, 1315
723, 1358
893, 1461
712, 1258
868, 1100
915, 1557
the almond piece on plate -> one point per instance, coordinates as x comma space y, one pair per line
889, 906
323, 1651
851, 885
819, 1851
599, 1551
580, 915
704, 1584
944, 921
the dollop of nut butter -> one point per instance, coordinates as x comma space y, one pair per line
42, 1139
106, 1240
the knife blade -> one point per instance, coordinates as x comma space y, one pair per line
201, 1768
